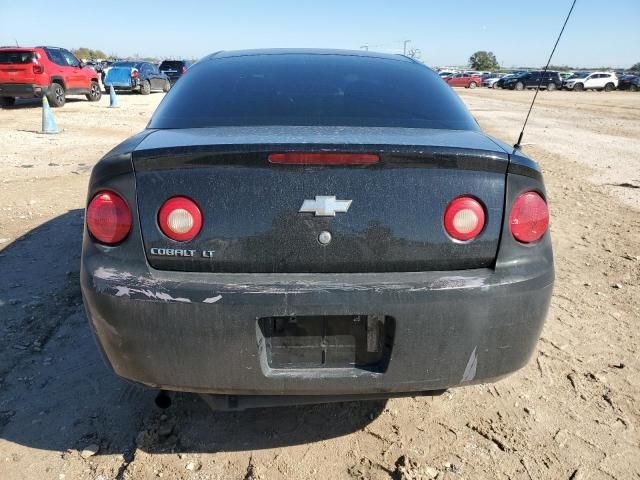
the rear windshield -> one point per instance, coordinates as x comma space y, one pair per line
580, 75
172, 64
8, 57
310, 90
126, 64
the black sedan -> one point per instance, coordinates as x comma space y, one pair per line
142, 77
300, 232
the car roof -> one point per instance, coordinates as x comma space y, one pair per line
19, 49
306, 51
586, 74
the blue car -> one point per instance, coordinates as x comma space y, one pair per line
142, 77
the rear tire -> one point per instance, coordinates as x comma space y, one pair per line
633, 88
56, 95
578, 87
167, 86
95, 94
551, 87
145, 88
7, 101
609, 87
473, 85
519, 86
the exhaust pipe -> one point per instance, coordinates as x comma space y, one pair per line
163, 400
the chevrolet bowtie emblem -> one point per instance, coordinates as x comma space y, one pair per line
325, 206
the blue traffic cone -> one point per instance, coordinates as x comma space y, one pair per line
48, 122
113, 98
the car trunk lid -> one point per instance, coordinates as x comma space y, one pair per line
118, 76
254, 215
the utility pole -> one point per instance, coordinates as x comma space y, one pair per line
404, 50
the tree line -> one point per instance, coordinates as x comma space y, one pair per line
483, 60
91, 54
88, 53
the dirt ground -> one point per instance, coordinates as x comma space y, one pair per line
572, 413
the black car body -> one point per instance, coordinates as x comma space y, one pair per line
546, 80
133, 76
323, 264
174, 69
500, 82
629, 82
504, 78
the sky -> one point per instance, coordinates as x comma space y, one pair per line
446, 32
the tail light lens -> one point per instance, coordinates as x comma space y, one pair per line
529, 217
108, 218
38, 69
298, 158
134, 73
464, 218
184, 69
180, 219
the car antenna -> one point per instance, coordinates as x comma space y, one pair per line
518, 143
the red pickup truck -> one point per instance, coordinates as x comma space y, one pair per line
467, 80
51, 71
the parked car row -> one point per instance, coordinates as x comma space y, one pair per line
141, 77
549, 80
144, 77
55, 72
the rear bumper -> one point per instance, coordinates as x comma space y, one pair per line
22, 90
173, 78
199, 332
129, 85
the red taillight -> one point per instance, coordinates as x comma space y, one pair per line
134, 73
464, 218
38, 69
180, 219
184, 69
529, 217
108, 218
320, 158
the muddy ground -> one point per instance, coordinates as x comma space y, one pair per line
572, 413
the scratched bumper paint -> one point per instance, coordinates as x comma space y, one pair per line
198, 332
